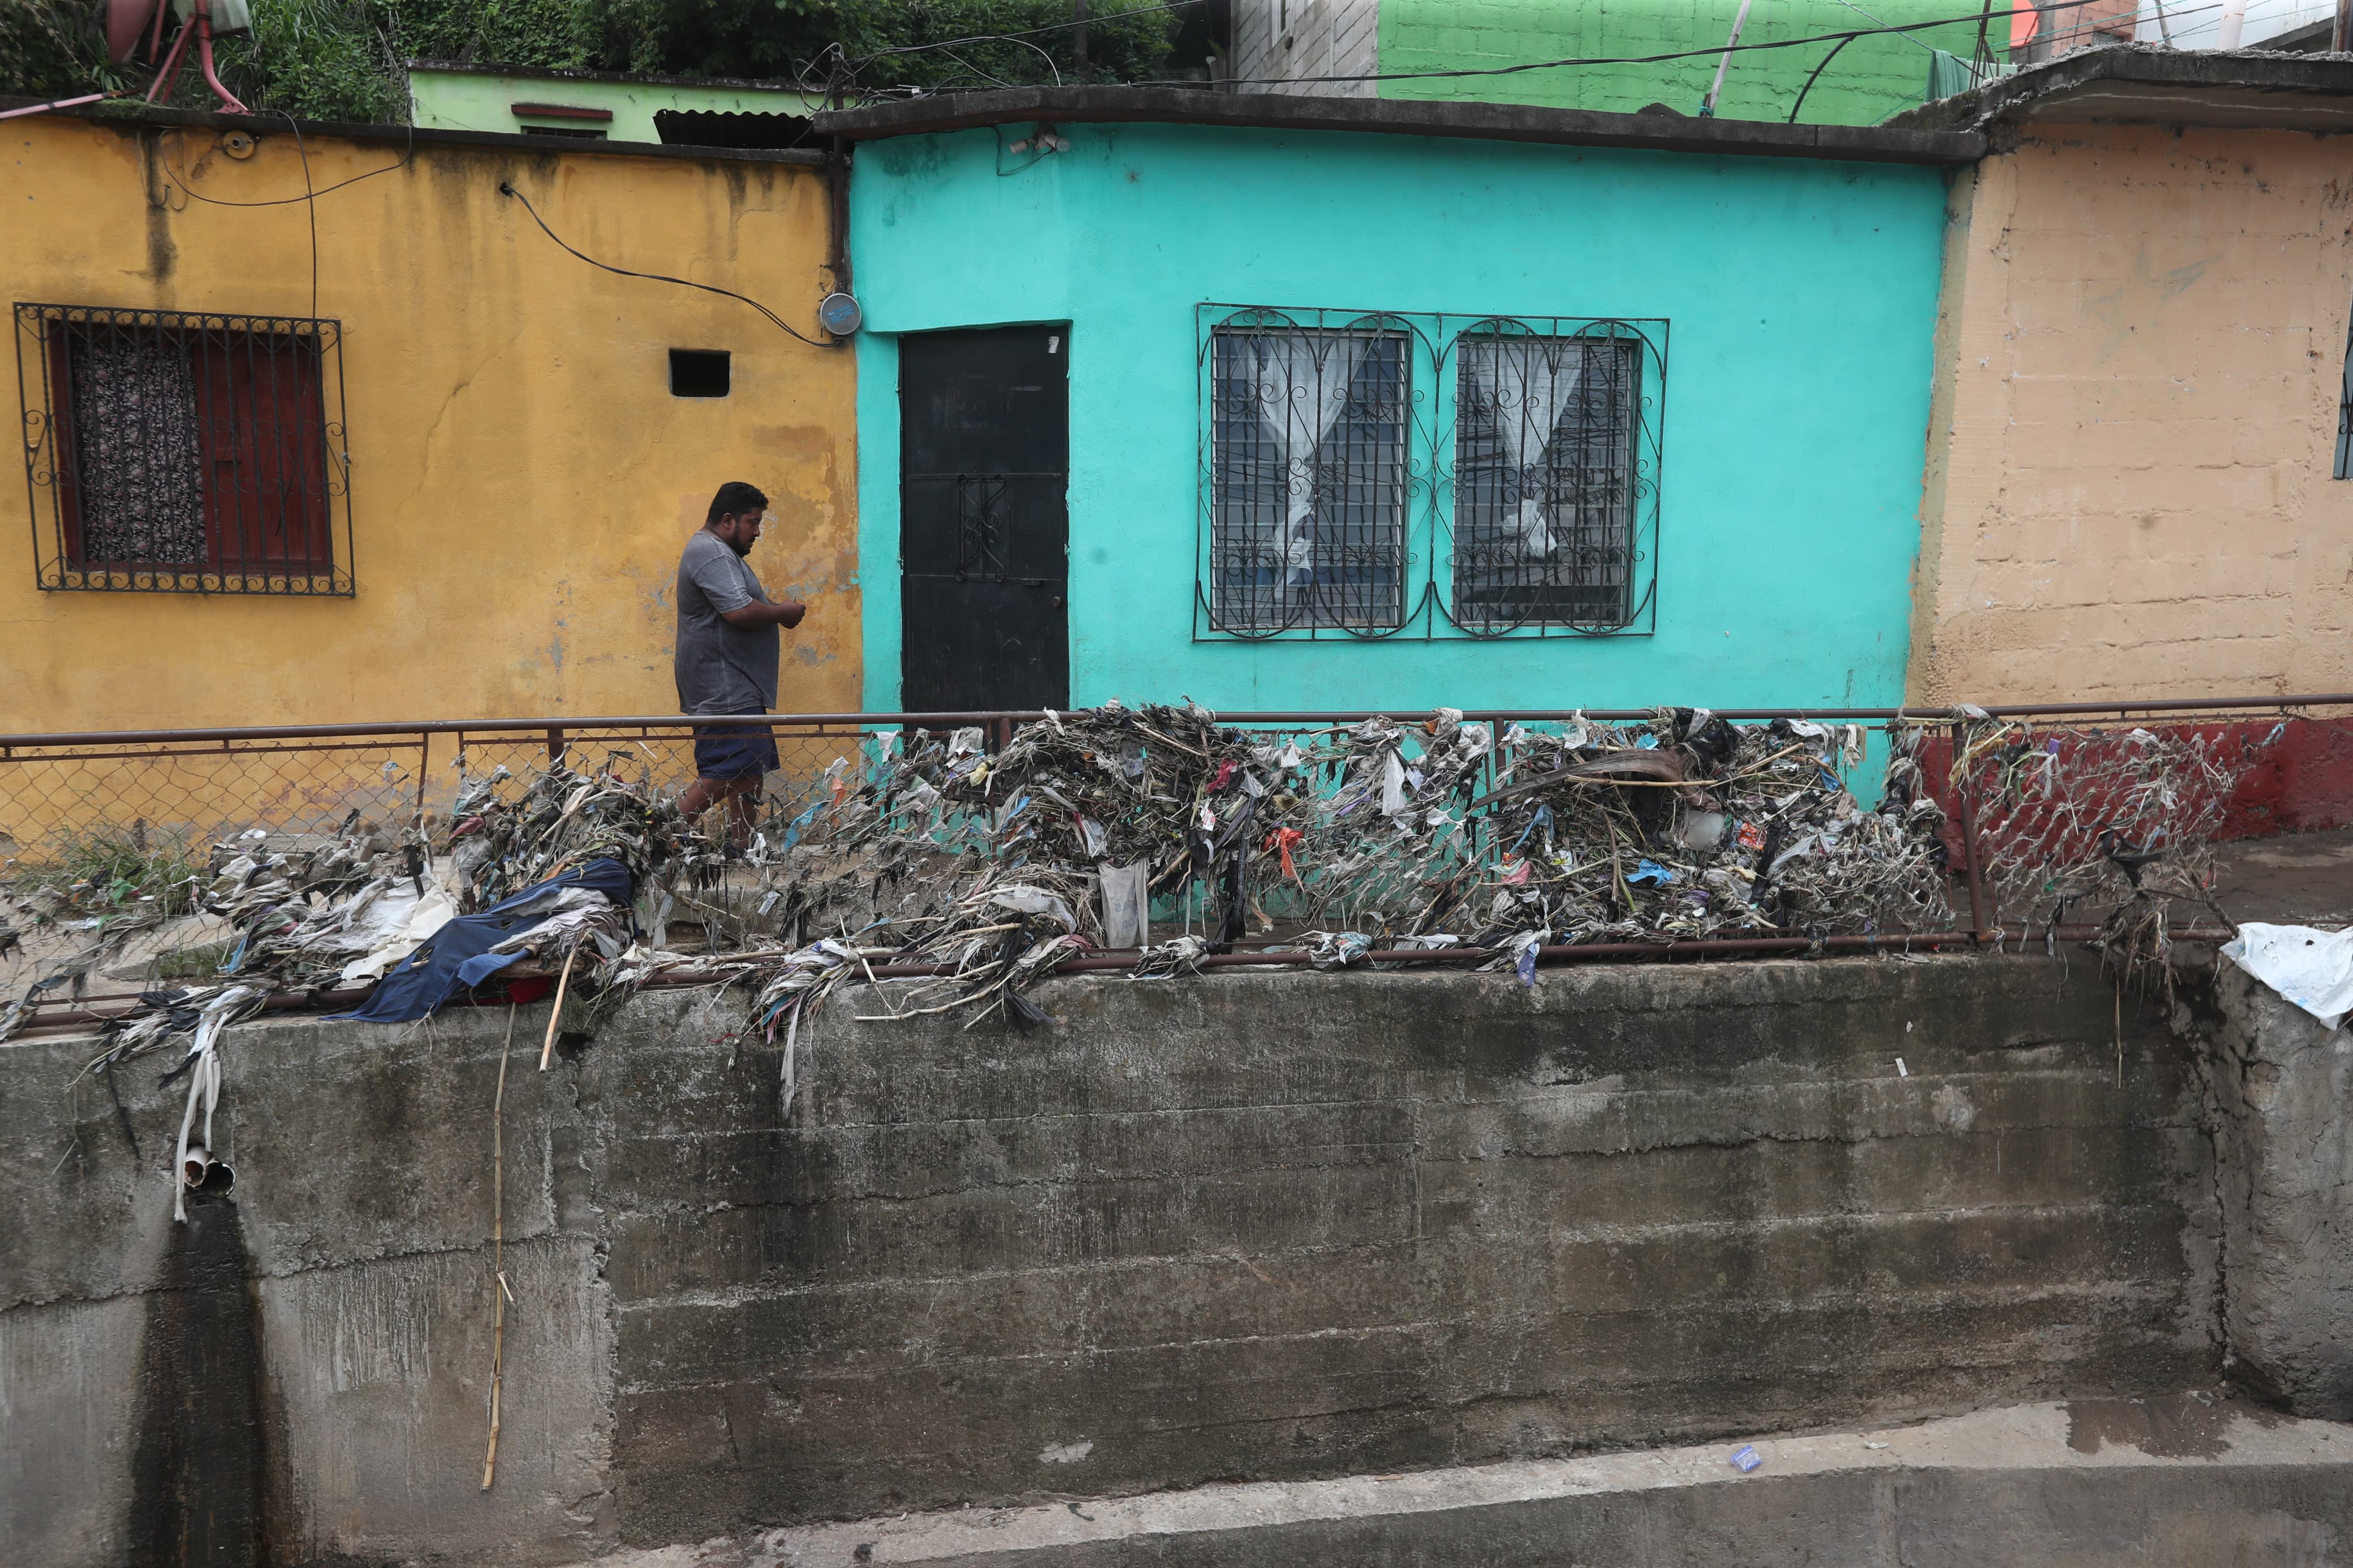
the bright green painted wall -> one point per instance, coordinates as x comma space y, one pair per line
1870, 80
473, 100
1801, 296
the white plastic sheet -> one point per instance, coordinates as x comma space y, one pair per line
2312, 968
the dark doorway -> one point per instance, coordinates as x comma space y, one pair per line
984, 521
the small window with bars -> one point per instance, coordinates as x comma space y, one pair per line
1307, 477
173, 452
2343, 468
1546, 479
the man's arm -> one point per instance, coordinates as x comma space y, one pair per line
755, 614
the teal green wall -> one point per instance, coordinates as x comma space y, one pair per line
1870, 80
1801, 296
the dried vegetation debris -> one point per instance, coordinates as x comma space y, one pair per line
981, 869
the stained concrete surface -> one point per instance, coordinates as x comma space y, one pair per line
2280, 1086
1252, 1227
2304, 878
2196, 1479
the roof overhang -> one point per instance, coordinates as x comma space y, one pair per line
2243, 90
1651, 130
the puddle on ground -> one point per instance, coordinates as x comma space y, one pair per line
2168, 1427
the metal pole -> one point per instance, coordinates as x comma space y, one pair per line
1956, 779
1708, 108
1079, 42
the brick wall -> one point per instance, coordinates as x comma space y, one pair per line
1870, 80
1278, 43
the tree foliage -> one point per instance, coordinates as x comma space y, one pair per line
343, 59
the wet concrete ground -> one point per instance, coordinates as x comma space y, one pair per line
2304, 878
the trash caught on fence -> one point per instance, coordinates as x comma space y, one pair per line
943, 876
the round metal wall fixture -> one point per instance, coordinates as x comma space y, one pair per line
840, 315
238, 144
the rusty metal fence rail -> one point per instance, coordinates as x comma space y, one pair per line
2030, 791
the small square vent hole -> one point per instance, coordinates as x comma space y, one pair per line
698, 372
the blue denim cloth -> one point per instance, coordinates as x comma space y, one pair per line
734, 751
458, 957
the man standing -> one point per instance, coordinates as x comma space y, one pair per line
727, 658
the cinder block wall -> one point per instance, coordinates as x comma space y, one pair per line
1248, 1225
2140, 354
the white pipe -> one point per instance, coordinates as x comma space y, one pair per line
2234, 22
45, 108
1708, 109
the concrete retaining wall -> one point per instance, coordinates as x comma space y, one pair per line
2280, 1086
1237, 1227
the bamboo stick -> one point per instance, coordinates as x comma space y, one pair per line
499, 1247
547, 1046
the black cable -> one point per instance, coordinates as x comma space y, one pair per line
311, 200
404, 160
507, 189
1711, 51
1024, 33
1816, 76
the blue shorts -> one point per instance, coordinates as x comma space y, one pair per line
734, 751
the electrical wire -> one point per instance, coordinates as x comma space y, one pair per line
1815, 78
1024, 33
1710, 51
1882, 21
406, 159
311, 201
507, 189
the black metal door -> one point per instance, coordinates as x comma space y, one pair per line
983, 523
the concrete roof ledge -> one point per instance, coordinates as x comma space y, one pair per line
1655, 131
131, 116
2134, 83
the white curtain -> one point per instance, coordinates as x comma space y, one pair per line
1302, 382
1528, 384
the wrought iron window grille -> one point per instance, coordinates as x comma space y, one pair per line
176, 452
1399, 474
2342, 469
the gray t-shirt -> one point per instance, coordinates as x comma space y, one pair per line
721, 669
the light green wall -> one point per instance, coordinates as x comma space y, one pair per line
475, 100
1801, 295
1870, 80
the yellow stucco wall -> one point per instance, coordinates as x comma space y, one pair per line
522, 479
2142, 338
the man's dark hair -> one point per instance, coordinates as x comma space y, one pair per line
734, 499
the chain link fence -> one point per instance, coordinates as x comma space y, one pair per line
2055, 816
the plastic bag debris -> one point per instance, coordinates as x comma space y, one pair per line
1128, 903
1745, 1459
1028, 900
2309, 967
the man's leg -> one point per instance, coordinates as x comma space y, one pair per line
743, 798
745, 809
699, 796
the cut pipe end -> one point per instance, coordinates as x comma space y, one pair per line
200, 1172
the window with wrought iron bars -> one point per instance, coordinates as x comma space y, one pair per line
2343, 468
1308, 481
173, 452
1545, 477
1334, 504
